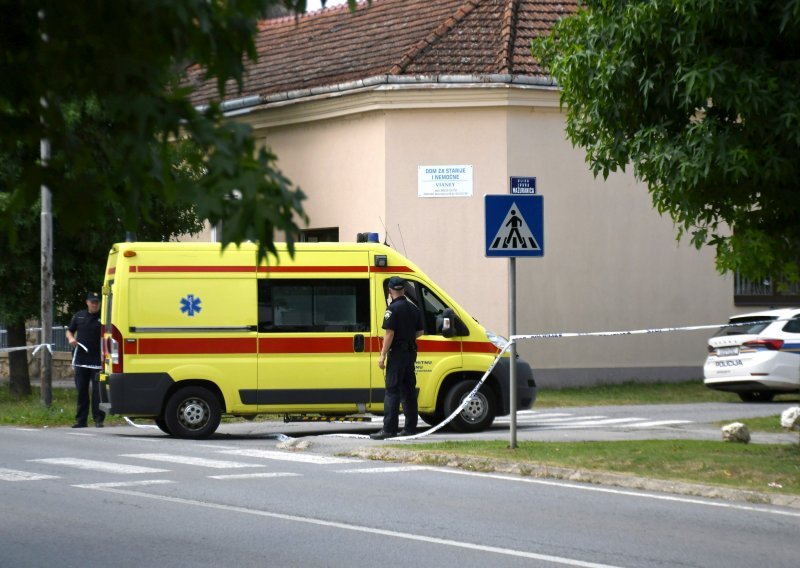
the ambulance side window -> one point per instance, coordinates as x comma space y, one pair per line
430, 304
313, 306
432, 309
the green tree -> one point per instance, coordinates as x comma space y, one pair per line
702, 98
80, 255
128, 56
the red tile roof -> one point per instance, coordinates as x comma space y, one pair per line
393, 38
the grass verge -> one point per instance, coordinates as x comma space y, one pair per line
31, 411
757, 467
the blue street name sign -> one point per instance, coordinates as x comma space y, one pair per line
514, 225
523, 185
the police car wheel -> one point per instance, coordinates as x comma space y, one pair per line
192, 412
758, 396
479, 412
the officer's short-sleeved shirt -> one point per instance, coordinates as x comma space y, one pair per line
404, 318
86, 328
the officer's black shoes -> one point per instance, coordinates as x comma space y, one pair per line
408, 433
382, 435
79, 425
98, 424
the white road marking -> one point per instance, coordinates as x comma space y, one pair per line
16, 475
287, 456
566, 421
536, 420
656, 423
606, 422
396, 469
214, 446
256, 475
358, 528
124, 483
191, 460
641, 495
105, 467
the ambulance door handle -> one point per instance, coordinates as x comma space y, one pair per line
358, 343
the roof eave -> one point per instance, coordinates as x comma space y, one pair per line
243, 105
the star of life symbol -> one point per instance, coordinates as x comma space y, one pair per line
190, 305
514, 233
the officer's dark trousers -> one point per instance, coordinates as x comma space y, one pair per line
86, 379
401, 386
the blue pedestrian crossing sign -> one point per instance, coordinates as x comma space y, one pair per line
514, 225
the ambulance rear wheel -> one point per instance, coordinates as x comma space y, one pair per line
162, 426
479, 412
192, 412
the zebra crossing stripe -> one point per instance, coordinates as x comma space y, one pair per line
262, 474
105, 467
16, 475
190, 460
287, 456
655, 423
113, 484
395, 469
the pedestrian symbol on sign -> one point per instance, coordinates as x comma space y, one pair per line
514, 233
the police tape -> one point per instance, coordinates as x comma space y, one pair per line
75, 353
36, 348
515, 338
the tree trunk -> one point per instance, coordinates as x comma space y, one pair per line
18, 361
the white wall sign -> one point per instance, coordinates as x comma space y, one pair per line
444, 181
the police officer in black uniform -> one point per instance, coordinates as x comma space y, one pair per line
403, 324
85, 329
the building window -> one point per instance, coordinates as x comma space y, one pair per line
767, 292
329, 235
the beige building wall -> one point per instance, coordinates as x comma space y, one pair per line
611, 262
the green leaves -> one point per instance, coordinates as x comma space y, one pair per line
110, 73
702, 98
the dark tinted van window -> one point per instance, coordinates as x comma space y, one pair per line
313, 305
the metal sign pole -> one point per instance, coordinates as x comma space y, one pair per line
512, 330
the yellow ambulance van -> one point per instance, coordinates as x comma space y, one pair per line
192, 332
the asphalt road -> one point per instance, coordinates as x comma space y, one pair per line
129, 496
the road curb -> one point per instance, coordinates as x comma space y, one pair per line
539, 471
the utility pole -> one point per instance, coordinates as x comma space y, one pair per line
47, 282
46, 394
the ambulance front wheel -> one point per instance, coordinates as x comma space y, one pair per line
479, 412
192, 412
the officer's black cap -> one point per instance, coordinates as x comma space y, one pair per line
396, 283
93, 297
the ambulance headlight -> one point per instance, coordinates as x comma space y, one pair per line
497, 340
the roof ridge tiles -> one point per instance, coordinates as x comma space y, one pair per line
441, 31
503, 62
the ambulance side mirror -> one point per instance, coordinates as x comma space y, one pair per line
450, 325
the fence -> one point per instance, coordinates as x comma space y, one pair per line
59, 337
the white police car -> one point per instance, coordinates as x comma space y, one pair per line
756, 355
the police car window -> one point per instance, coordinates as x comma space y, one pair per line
313, 306
793, 325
